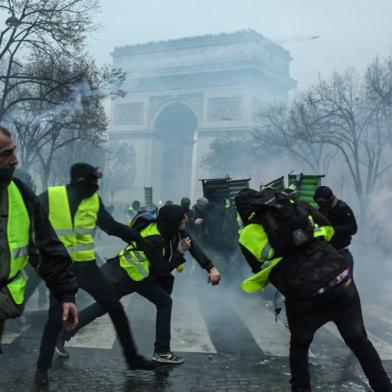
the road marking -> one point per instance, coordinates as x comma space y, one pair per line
10, 337
189, 330
272, 337
33, 304
99, 334
378, 312
383, 348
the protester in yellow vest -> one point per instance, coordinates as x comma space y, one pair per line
313, 276
26, 236
75, 211
148, 272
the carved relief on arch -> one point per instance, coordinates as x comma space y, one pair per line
158, 103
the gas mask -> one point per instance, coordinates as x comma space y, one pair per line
86, 188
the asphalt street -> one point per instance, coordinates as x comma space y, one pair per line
230, 342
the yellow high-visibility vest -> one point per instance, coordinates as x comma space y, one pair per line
134, 261
77, 236
254, 238
18, 236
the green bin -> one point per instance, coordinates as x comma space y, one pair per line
278, 185
306, 185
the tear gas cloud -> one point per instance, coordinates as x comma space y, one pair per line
181, 95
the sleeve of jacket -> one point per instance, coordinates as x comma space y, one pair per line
200, 256
317, 216
254, 264
48, 255
348, 226
153, 247
111, 227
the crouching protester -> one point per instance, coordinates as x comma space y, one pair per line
285, 243
26, 236
147, 271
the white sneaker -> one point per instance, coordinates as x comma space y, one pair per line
168, 357
60, 349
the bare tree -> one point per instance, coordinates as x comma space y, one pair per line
39, 29
119, 169
281, 125
44, 129
77, 151
231, 156
342, 115
378, 90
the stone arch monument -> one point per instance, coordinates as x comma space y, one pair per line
183, 93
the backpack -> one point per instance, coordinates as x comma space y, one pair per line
143, 219
303, 273
308, 265
285, 221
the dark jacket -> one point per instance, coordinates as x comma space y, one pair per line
163, 265
47, 254
105, 221
161, 250
244, 211
343, 221
197, 230
169, 218
313, 266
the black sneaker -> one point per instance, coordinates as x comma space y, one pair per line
60, 349
41, 377
141, 363
168, 357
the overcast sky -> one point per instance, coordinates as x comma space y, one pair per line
352, 32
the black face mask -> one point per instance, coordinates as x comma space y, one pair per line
6, 174
86, 188
326, 205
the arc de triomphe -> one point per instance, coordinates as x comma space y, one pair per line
183, 93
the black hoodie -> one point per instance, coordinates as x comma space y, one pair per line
243, 202
302, 273
169, 218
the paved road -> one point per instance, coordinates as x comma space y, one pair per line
230, 342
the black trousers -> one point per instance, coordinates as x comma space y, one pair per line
156, 291
33, 282
2, 324
349, 257
93, 282
342, 306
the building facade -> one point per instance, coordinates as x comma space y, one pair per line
183, 93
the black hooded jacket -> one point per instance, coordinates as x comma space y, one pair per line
162, 250
243, 204
301, 274
343, 221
